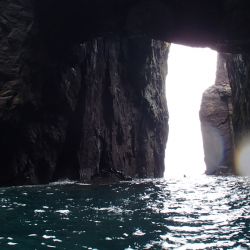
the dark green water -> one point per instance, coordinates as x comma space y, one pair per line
202, 213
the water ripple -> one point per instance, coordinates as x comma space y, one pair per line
202, 213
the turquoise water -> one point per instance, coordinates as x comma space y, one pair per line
201, 213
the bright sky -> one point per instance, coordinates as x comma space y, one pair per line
190, 72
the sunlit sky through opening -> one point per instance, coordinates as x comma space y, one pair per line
190, 72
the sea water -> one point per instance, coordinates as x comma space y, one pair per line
184, 213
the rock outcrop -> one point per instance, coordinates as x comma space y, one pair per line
216, 123
78, 110
124, 114
81, 97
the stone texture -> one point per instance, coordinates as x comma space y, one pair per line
216, 123
74, 105
78, 110
239, 77
124, 112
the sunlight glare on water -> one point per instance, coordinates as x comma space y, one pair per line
190, 72
189, 213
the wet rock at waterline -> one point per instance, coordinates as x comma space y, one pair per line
216, 123
125, 115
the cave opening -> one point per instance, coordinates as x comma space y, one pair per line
191, 71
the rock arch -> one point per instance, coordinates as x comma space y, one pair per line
61, 63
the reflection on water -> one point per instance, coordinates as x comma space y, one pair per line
201, 213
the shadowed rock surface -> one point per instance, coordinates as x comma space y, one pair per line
80, 96
239, 77
221, 24
78, 110
216, 123
124, 114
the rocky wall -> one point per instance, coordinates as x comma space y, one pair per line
78, 110
239, 74
82, 87
217, 124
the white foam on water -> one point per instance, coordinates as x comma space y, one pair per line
113, 209
57, 240
62, 182
32, 235
148, 246
63, 211
49, 236
39, 211
138, 232
83, 184
12, 243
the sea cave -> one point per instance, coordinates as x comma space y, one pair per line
84, 124
82, 85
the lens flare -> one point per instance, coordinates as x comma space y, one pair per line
242, 159
213, 148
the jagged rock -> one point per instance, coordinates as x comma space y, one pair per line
74, 105
109, 176
239, 71
216, 123
75, 110
124, 114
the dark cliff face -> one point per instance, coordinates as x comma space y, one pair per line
75, 110
217, 23
75, 106
239, 71
124, 113
216, 123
